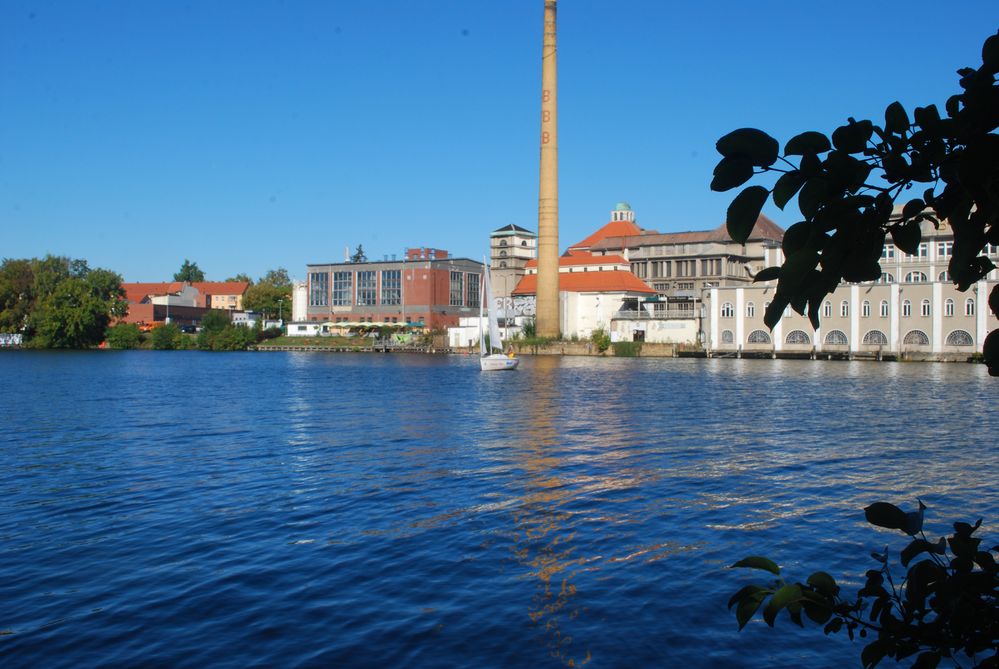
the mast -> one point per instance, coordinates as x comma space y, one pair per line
546, 299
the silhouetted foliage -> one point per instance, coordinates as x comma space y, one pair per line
945, 606
190, 272
848, 187
359, 255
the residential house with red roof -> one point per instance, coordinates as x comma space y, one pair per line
180, 302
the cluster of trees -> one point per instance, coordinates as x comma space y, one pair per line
270, 295
58, 302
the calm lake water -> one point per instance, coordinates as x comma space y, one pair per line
297, 509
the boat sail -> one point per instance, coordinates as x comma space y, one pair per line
488, 360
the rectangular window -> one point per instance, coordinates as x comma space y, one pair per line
888, 252
343, 289
366, 289
924, 251
391, 287
944, 249
473, 290
319, 286
457, 291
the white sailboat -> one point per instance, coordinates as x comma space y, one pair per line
489, 361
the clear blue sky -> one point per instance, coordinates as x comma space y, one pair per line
249, 135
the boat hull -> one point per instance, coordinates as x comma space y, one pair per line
498, 362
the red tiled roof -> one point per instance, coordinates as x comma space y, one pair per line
612, 229
613, 281
764, 229
221, 287
579, 259
136, 292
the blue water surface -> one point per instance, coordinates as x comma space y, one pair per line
193, 509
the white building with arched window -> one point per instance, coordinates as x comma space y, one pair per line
922, 316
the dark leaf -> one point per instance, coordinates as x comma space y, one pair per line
990, 54
748, 591
913, 208
783, 597
914, 520
824, 583
817, 613
796, 237
776, 308
835, 625
786, 187
927, 118
907, 237
915, 548
887, 515
810, 142
927, 660
767, 274
873, 653
730, 173
744, 211
811, 196
756, 562
853, 137
754, 145
896, 120
747, 608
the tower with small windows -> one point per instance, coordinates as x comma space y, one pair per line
510, 247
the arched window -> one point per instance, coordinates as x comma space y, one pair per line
826, 309
916, 338
876, 338
759, 337
948, 307
844, 308
727, 310
502, 254
960, 338
865, 309
728, 337
887, 277
915, 277
502, 264
836, 338
797, 337
524, 243
969, 307
906, 308
750, 310
944, 277
924, 308
502, 242
884, 308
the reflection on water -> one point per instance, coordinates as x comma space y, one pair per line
392, 510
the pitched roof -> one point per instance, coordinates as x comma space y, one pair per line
612, 281
137, 292
612, 229
514, 228
578, 258
221, 287
764, 229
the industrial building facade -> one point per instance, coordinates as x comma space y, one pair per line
427, 289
